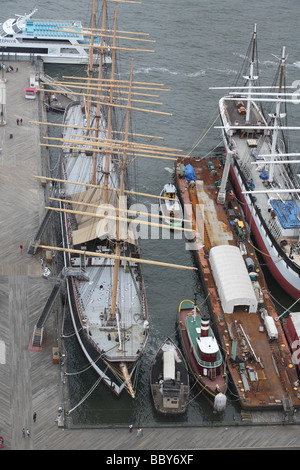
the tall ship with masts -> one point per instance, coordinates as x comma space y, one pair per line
100, 246
263, 170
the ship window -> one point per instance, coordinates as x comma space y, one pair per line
26, 50
69, 50
47, 40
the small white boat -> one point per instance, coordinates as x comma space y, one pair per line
53, 41
170, 207
169, 379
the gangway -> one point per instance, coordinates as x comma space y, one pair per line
38, 332
33, 245
47, 80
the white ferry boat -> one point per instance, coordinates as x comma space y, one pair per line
53, 41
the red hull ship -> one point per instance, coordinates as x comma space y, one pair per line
202, 353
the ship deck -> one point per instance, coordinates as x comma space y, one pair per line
262, 372
283, 220
170, 394
95, 295
52, 29
236, 113
158, 363
36, 28
210, 387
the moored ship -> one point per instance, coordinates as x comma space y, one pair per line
263, 169
100, 246
170, 207
257, 355
202, 351
56, 42
169, 379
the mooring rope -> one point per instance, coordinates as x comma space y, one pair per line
86, 395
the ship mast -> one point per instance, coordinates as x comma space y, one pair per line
121, 202
90, 66
110, 108
251, 77
277, 116
97, 127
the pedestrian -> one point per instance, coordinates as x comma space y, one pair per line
21, 121
142, 432
23, 432
130, 427
139, 431
28, 432
18, 120
34, 417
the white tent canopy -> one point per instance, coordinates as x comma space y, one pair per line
232, 279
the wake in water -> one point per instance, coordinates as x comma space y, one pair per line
169, 170
147, 70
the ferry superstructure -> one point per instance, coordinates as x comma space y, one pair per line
56, 42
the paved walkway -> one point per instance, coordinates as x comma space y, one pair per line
23, 290
45, 437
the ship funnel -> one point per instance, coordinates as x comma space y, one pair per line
204, 324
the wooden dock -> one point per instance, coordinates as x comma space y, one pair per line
24, 385
29, 380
